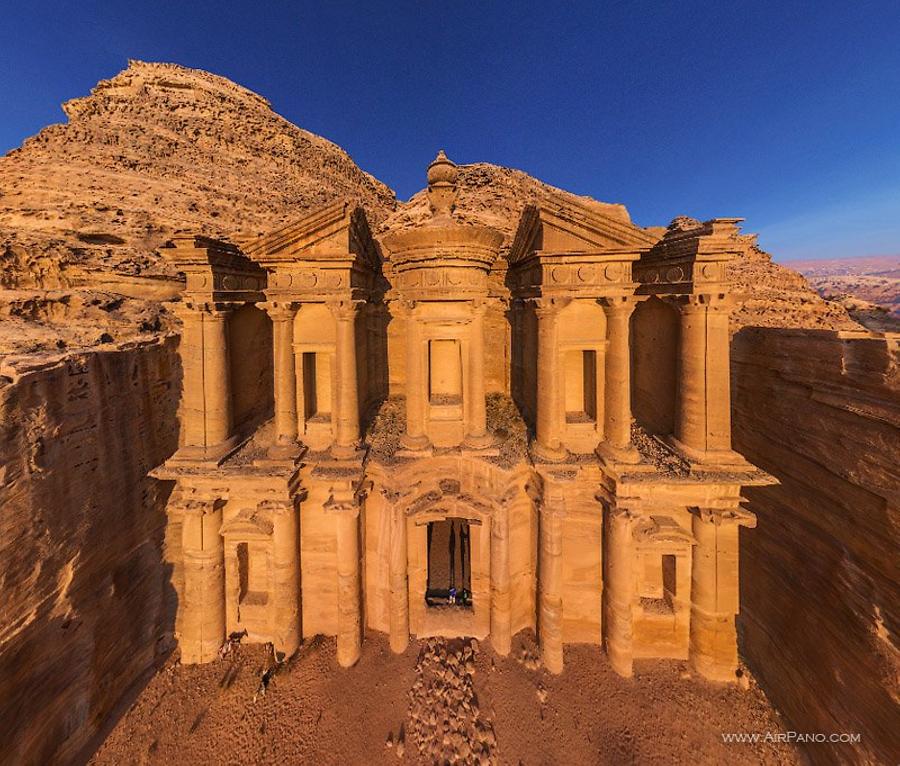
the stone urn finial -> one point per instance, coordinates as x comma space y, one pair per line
442, 174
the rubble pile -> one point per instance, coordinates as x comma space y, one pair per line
446, 723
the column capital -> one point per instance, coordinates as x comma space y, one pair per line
725, 516
622, 513
339, 506
406, 306
619, 304
344, 310
280, 311
202, 307
697, 302
198, 506
549, 307
479, 305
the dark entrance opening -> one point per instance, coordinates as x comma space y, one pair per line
449, 564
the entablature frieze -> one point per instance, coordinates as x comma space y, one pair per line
737, 515
441, 282
318, 283
586, 274
680, 277
215, 271
690, 260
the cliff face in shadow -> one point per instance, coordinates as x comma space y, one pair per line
87, 608
820, 584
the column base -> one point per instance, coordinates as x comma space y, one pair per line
549, 454
345, 451
284, 450
706, 459
622, 661
212, 455
478, 441
399, 642
415, 443
713, 646
610, 454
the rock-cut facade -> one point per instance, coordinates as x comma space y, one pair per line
444, 431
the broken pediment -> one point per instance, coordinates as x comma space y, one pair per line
335, 231
571, 228
690, 258
215, 271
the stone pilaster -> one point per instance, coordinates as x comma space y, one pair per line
286, 565
703, 422
415, 437
501, 626
217, 377
193, 410
619, 590
203, 605
617, 386
349, 636
285, 375
550, 582
715, 591
477, 436
549, 415
399, 584
346, 437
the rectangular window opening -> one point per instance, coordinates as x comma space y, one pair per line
444, 372
581, 386
316, 386
252, 588
660, 589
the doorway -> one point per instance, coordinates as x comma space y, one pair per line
449, 564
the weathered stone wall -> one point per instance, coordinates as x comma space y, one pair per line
820, 587
86, 606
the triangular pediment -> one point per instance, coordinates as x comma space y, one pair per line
336, 230
567, 227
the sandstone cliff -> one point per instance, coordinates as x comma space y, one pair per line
820, 584
156, 149
87, 607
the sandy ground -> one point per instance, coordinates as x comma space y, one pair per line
484, 708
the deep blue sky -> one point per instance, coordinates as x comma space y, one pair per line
786, 113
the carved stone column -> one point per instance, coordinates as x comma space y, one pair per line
548, 444
203, 607
550, 581
415, 437
704, 405
715, 591
517, 371
346, 440
617, 397
349, 635
477, 436
285, 374
399, 593
619, 590
501, 632
718, 361
191, 353
286, 565
217, 377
